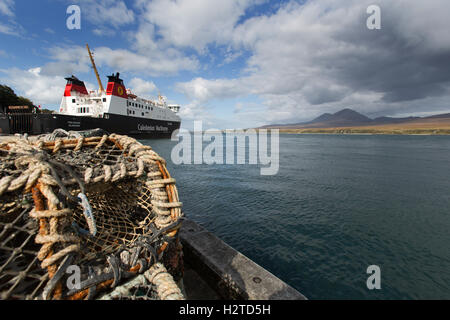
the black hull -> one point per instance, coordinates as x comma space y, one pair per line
36, 124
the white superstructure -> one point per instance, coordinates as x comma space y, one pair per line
77, 101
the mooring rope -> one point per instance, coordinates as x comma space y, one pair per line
158, 276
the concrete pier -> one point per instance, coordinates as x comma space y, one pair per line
227, 272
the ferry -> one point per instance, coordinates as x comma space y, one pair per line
115, 110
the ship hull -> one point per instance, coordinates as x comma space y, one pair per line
132, 126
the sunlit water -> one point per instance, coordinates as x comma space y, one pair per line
337, 205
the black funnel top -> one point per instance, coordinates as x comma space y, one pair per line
74, 80
115, 78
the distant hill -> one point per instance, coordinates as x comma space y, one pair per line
341, 118
324, 117
351, 118
439, 116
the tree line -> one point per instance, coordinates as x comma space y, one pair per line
9, 98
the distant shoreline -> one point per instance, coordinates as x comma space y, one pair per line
348, 121
425, 132
350, 131
366, 134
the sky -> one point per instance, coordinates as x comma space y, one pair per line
237, 63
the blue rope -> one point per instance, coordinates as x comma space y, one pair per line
87, 211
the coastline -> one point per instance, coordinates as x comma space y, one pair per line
368, 131
338, 132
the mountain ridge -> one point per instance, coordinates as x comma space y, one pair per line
351, 118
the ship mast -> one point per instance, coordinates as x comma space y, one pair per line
95, 69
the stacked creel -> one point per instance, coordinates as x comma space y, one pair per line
88, 218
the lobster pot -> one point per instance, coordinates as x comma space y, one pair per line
88, 218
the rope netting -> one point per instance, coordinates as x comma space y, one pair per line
84, 216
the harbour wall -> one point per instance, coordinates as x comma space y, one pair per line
228, 272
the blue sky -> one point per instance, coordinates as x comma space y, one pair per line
237, 63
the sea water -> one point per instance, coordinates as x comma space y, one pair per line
338, 204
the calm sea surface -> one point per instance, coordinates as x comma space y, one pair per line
337, 205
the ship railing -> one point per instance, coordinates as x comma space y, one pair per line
95, 94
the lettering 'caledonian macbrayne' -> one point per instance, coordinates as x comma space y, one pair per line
143, 127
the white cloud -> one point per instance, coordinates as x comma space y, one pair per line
104, 32
197, 111
74, 59
67, 60
8, 29
7, 8
153, 63
8, 25
195, 23
110, 13
141, 87
193, 111
203, 90
32, 84
49, 30
230, 56
156, 45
